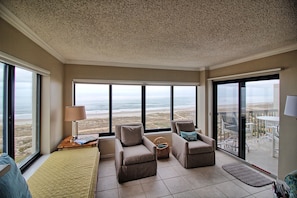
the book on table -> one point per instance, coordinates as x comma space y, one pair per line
85, 139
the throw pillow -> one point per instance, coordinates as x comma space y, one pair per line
185, 126
13, 184
131, 135
189, 136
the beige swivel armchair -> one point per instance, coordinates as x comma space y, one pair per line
135, 154
191, 154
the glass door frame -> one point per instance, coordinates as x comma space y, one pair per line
241, 110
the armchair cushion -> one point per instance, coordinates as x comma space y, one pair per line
189, 136
197, 147
136, 155
131, 135
185, 126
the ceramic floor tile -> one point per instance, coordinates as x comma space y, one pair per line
198, 180
177, 184
129, 183
107, 183
132, 191
114, 193
167, 172
187, 194
172, 180
150, 179
264, 194
155, 189
250, 189
209, 192
231, 190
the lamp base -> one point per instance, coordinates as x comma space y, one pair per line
74, 130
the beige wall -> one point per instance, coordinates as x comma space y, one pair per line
288, 81
15, 44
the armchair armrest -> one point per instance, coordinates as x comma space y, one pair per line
150, 145
180, 143
119, 151
207, 140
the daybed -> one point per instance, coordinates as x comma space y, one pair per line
67, 173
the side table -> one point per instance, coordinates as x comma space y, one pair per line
68, 143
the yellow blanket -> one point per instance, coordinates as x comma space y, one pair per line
68, 173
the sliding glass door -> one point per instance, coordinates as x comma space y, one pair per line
227, 116
246, 119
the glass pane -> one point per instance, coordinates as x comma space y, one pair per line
262, 124
126, 104
184, 100
95, 98
157, 107
227, 126
25, 114
1, 105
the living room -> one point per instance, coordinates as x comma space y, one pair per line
58, 77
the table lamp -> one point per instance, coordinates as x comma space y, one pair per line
74, 113
291, 106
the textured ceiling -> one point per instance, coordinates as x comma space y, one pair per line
185, 34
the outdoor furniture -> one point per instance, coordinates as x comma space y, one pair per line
191, 154
135, 154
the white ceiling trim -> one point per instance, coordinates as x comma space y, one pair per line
131, 65
257, 56
23, 28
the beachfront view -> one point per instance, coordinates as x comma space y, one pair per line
127, 105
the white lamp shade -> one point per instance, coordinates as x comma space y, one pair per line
73, 113
291, 106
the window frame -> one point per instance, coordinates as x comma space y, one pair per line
8, 121
143, 104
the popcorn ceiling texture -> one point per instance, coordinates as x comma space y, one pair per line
166, 33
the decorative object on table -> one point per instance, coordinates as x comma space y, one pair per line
74, 113
85, 139
162, 147
291, 106
247, 175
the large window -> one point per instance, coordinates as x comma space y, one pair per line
184, 100
154, 106
95, 98
20, 113
157, 107
126, 104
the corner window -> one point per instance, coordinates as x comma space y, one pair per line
20, 113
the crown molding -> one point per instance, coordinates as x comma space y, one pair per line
130, 65
23, 28
257, 56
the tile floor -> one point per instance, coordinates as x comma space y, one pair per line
172, 180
